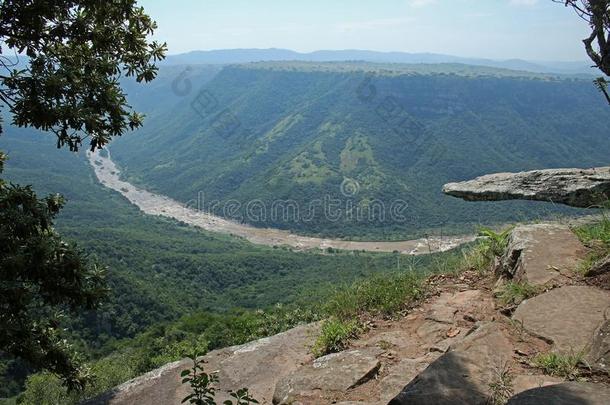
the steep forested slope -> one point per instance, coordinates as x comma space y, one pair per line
363, 136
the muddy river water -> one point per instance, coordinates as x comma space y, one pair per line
154, 204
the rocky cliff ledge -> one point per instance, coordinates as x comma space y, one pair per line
582, 188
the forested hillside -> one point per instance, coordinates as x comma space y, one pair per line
363, 135
159, 270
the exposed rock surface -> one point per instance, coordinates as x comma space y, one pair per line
603, 266
447, 350
336, 372
570, 393
599, 354
257, 365
567, 316
540, 253
462, 375
576, 187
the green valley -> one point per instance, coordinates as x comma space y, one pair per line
302, 132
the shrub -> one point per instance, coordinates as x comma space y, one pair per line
335, 335
489, 246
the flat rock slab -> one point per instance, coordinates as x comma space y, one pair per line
524, 382
463, 375
257, 365
539, 253
402, 373
575, 187
567, 316
570, 393
334, 373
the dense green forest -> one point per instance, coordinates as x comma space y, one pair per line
300, 132
161, 270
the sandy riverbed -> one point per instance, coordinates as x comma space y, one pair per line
154, 204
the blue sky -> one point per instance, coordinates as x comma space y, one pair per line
499, 29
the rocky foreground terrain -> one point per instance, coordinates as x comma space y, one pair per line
460, 345
535, 330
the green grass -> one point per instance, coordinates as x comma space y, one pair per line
597, 237
383, 295
490, 245
335, 336
513, 293
559, 365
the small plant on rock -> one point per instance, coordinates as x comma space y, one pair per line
204, 391
242, 397
559, 365
201, 383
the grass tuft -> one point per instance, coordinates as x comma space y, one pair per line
597, 237
501, 387
382, 295
559, 365
489, 246
513, 293
335, 336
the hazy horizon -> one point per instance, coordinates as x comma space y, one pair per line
533, 30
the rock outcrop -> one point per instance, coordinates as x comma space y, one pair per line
599, 354
540, 253
337, 372
582, 188
567, 317
258, 365
464, 374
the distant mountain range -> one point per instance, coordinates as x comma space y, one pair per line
230, 56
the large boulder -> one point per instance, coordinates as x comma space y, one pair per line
257, 365
331, 374
567, 316
462, 375
539, 253
575, 187
569, 393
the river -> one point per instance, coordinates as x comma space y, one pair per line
155, 204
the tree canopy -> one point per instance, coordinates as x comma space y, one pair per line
60, 66
75, 54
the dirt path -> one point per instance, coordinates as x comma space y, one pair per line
154, 204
